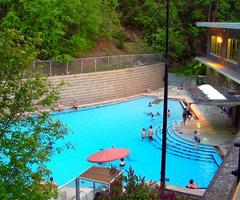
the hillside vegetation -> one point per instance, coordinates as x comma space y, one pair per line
72, 28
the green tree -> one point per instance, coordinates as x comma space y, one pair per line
66, 27
27, 142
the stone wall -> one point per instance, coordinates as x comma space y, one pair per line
108, 85
223, 185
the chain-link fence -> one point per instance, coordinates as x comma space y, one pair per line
96, 64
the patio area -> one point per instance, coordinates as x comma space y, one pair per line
213, 124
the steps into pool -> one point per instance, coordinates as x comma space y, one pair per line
180, 147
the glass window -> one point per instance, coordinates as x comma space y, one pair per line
232, 49
216, 45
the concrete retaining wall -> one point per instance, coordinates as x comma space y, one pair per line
108, 85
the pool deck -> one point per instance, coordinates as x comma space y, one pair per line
212, 123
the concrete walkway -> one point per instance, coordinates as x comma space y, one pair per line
212, 123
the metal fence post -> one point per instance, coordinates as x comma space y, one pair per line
120, 61
50, 68
132, 60
95, 64
108, 63
77, 184
82, 65
67, 68
33, 66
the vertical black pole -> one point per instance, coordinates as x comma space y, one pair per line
238, 175
165, 103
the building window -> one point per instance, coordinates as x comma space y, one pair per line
232, 49
216, 45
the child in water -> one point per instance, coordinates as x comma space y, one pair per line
143, 133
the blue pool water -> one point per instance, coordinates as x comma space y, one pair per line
120, 125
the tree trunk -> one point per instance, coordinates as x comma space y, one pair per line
209, 10
215, 10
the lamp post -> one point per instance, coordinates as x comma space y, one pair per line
165, 103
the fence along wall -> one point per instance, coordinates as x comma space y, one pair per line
108, 85
96, 64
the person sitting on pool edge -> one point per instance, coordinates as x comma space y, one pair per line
60, 107
122, 162
192, 185
75, 105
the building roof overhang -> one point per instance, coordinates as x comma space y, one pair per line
229, 72
200, 97
100, 174
224, 25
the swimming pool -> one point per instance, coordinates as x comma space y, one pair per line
120, 125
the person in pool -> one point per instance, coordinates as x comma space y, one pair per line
150, 133
152, 117
52, 183
143, 133
122, 162
192, 185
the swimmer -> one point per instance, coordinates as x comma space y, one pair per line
168, 113
152, 117
150, 133
122, 162
143, 133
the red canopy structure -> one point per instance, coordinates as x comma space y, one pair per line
108, 155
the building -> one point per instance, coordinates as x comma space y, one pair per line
223, 64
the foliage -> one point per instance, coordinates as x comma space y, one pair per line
66, 27
69, 28
136, 188
185, 37
27, 141
193, 67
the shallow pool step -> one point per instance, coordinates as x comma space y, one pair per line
187, 142
193, 155
190, 147
187, 157
187, 149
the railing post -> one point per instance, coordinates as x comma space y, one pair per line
50, 68
77, 188
94, 188
132, 60
82, 65
108, 63
33, 66
95, 64
67, 68
120, 61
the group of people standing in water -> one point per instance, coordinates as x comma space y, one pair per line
150, 133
